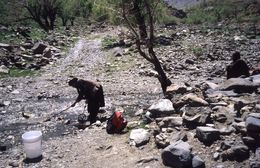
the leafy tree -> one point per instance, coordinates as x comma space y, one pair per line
70, 9
139, 16
44, 12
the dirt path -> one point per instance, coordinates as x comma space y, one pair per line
65, 145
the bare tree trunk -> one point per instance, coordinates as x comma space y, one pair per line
141, 35
140, 20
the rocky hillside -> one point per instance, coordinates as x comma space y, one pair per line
207, 121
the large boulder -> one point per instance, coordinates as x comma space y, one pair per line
177, 155
239, 85
163, 107
139, 137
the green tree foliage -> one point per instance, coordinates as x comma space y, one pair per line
44, 12
70, 9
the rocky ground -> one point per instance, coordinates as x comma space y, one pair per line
204, 123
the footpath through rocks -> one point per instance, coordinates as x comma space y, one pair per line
208, 122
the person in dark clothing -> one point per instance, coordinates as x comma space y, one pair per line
90, 91
238, 67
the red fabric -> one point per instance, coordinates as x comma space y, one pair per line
118, 120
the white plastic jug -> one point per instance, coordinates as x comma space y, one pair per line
32, 141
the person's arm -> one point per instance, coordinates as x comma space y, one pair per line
79, 98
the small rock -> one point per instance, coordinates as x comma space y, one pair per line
207, 134
216, 155
197, 162
14, 163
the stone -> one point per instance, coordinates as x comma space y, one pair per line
227, 130
239, 85
211, 85
170, 122
207, 134
47, 53
139, 137
6, 46
117, 52
197, 162
216, 155
193, 100
253, 124
226, 145
4, 69
179, 136
240, 127
177, 155
38, 48
163, 107
238, 153
162, 140
174, 88
196, 116
249, 141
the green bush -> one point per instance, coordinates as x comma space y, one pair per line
198, 51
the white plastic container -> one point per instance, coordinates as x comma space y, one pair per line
32, 141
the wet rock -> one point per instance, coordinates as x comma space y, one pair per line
139, 137
239, 85
197, 162
163, 107
177, 155
170, 122
207, 134
38, 48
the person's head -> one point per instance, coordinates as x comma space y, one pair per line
236, 56
73, 82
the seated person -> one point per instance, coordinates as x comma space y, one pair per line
237, 68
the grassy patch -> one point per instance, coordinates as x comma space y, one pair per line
37, 34
108, 42
115, 64
15, 72
198, 51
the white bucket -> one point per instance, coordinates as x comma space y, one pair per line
32, 142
